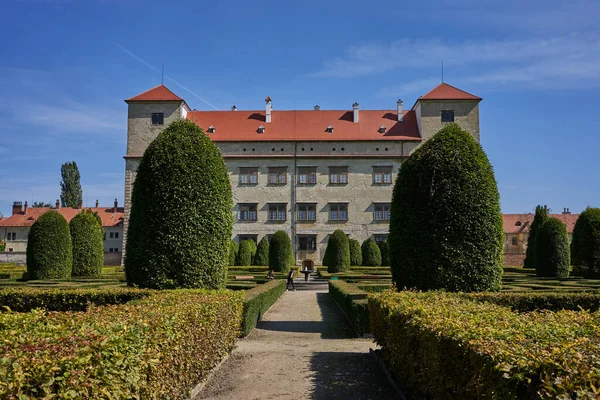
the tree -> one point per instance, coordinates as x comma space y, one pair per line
244, 256
385, 253
355, 252
338, 252
280, 252
233, 251
87, 242
180, 222
585, 248
37, 204
49, 249
541, 215
371, 255
70, 186
262, 252
552, 256
446, 225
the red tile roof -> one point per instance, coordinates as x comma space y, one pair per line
510, 222
158, 93
446, 92
108, 217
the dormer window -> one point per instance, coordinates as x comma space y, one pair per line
211, 129
158, 118
329, 129
261, 129
518, 223
382, 129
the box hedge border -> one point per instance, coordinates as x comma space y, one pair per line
352, 301
257, 301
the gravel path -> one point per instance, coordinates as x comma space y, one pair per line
302, 349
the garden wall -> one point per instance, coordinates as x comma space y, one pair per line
20, 258
514, 259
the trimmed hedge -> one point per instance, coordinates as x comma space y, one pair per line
552, 301
244, 256
338, 252
385, 253
355, 252
262, 253
181, 221
371, 255
157, 347
49, 248
258, 301
541, 215
446, 225
552, 255
353, 302
88, 244
585, 248
280, 252
233, 251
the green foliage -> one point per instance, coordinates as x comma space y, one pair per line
445, 346
353, 301
70, 185
88, 246
532, 301
585, 248
49, 249
385, 253
355, 252
371, 255
233, 252
541, 215
181, 220
157, 347
338, 252
258, 301
446, 225
244, 256
2, 246
40, 204
552, 255
280, 252
262, 253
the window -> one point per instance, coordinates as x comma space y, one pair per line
110, 250
518, 223
447, 116
382, 175
307, 212
104, 236
307, 242
338, 212
158, 118
277, 212
379, 239
338, 175
254, 238
277, 175
382, 212
249, 176
10, 249
307, 175
11, 236
247, 212
116, 235
514, 241
112, 235
116, 249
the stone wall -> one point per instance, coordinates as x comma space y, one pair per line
112, 258
514, 259
466, 114
19, 257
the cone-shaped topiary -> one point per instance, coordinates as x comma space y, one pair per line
280, 252
88, 245
446, 224
180, 222
49, 248
233, 251
552, 255
541, 215
355, 253
385, 253
262, 253
585, 248
371, 255
338, 255
244, 257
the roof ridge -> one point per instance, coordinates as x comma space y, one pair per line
445, 85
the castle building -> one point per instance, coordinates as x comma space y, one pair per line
307, 172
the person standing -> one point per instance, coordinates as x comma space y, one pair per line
290, 280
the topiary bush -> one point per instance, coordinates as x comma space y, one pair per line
552, 255
244, 257
181, 220
88, 244
541, 215
385, 253
585, 248
446, 225
262, 253
233, 251
355, 253
280, 252
371, 255
49, 249
338, 252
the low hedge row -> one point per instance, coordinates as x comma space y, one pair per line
353, 302
157, 347
257, 301
442, 345
552, 301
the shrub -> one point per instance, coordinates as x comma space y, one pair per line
541, 215
353, 301
371, 255
244, 256
262, 253
280, 252
2, 246
355, 252
446, 225
552, 256
88, 245
233, 252
385, 253
532, 301
585, 248
338, 255
180, 223
257, 301
49, 251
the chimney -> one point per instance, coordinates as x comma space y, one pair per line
317, 107
25, 211
400, 110
233, 108
115, 208
355, 111
97, 203
57, 204
565, 210
80, 205
17, 207
269, 109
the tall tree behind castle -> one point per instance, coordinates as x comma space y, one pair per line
70, 186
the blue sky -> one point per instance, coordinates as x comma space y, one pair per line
67, 65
